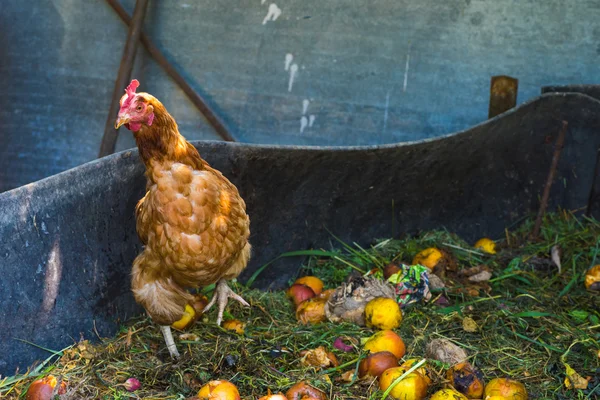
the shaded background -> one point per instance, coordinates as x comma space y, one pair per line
374, 72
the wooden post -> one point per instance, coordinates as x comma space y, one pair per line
560, 142
109, 140
503, 94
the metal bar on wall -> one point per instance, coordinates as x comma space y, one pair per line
158, 56
109, 140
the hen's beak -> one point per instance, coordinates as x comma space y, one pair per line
121, 120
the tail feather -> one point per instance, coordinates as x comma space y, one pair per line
163, 299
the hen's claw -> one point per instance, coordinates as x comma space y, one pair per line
221, 295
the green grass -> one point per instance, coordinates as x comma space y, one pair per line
531, 321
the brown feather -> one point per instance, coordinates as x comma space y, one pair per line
192, 221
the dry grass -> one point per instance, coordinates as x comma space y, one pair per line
530, 319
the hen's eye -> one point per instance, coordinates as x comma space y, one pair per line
139, 108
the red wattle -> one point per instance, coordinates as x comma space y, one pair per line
134, 126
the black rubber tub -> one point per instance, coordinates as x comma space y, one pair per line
67, 242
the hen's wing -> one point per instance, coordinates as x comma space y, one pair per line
199, 222
142, 219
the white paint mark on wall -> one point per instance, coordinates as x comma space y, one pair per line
262, 1
289, 57
273, 13
306, 122
303, 123
406, 71
44, 229
385, 113
293, 72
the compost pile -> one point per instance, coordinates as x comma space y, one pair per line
503, 309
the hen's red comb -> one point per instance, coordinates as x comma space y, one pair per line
130, 90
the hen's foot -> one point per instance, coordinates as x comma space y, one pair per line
221, 296
166, 331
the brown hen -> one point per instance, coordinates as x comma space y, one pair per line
192, 220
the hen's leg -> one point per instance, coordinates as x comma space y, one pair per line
166, 331
221, 295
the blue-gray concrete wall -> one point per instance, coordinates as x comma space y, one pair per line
368, 72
